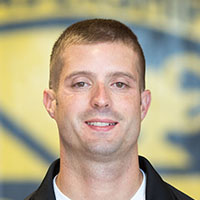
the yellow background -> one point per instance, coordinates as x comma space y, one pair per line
24, 61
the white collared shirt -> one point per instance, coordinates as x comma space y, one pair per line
139, 195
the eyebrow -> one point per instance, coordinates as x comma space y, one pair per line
126, 74
79, 73
109, 75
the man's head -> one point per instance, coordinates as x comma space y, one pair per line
97, 97
94, 31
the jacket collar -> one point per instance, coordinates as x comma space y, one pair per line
45, 190
156, 188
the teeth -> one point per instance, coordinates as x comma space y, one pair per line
100, 124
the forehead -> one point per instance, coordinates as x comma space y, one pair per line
100, 58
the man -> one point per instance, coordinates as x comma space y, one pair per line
98, 99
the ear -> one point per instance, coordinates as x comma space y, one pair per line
145, 103
49, 101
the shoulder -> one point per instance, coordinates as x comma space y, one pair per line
45, 191
156, 187
178, 194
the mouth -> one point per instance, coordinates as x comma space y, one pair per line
101, 125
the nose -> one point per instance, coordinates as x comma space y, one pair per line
100, 97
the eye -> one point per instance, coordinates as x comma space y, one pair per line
80, 84
120, 85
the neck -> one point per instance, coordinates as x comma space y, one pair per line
81, 178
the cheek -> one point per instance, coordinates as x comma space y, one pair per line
129, 105
71, 104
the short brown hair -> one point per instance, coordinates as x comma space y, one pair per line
90, 32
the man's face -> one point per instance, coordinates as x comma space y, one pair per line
98, 106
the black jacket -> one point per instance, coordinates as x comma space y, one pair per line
156, 188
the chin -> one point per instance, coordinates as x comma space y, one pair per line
103, 151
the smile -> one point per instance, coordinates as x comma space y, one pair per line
101, 123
